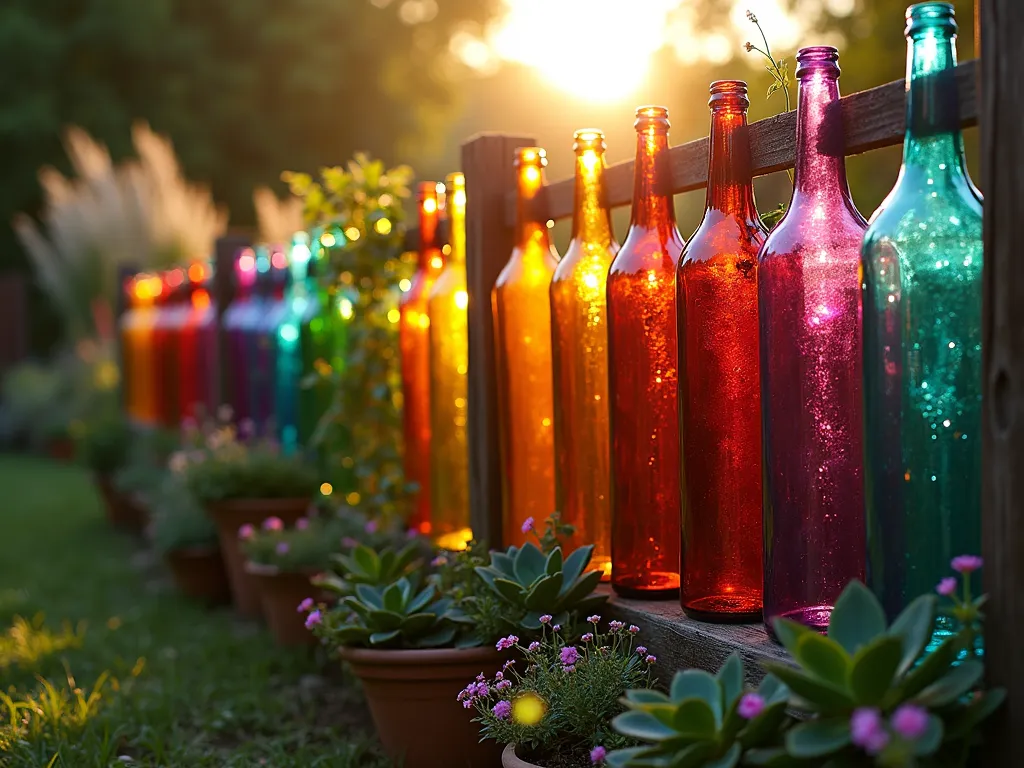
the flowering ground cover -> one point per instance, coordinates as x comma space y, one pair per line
102, 663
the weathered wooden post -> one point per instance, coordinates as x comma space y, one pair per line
1002, 140
487, 164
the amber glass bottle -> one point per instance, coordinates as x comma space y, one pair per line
719, 391
643, 377
522, 327
449, 366
414, 343
579, 332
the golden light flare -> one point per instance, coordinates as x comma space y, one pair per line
528, 708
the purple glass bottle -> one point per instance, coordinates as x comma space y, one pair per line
809, 307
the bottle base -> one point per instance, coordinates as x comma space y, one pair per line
657, 586
723, 615
815, 616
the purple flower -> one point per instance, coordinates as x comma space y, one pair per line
587, 637
966, 563
282, 548
371, 526
480, 678
615, 626
569, 655
246, 532
556, 628
534, 646
527, 525
510, 662
313, 619
633, 629
593, 619
482, 690
502, 710
910, 721
273, 524
545, 619
569, 669
650, 659
302, 524
750, 706
438, 561
412, 533
867, 731
947, 586
503, 685
641, 650
306, 605
506, 642
597, 754
499, 675
349, 543
246, 428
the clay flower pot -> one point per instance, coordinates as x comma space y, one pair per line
412, 697
123, 511
509, 759
280, 594
199, 573
231, 515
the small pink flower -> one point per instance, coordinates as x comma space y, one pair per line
597, 754
282, 548
412, 533
633, 629
306, 605
545, 619
966, 563
587, 637
506, 642
750, 706
502, 710
527, 525
273, 524
641, 650
499, 675
510, 662
503, 685
438, 561
480, 678
947, 586
910, 721
371, 526
650, 659
569, 669
569, 655
593, 619
615, 626
867, 730
313, 619
534, 646
301, 524
349, 543
246, 532
556, 628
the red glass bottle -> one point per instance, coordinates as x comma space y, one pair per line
809, 314
642, 379
721, 575
414, 342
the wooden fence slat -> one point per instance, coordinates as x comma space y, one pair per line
487, 164
1002, 140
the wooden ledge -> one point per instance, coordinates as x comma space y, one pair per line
682, 643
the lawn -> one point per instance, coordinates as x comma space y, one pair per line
123, 671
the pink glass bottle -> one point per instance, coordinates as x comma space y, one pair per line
809, 311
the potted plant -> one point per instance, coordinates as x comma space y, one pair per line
245, 483
103, 445
187, 539
554, 705
870, 694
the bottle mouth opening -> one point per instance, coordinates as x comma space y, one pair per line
726, 93
817, 58
427, 190
649, 116
531, 156
588, 138
937, 17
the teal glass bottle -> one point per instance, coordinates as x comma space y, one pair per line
921, 267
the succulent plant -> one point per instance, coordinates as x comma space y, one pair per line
392, 616
704, 720
363, 565
533, 585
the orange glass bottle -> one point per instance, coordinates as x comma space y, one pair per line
414, 343
579, 332
449, 366
642, 360
522, 326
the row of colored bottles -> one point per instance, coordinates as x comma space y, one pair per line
715, 394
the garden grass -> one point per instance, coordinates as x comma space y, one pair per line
102, 663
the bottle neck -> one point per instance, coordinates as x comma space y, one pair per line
730, 180
591, 219
653, 206
457, 237
820, 163
429, 247
530, 183
933, 137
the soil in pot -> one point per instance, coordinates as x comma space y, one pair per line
280, 594
412, 696
229, 516
199, 573
123, 511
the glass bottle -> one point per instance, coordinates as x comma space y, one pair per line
579, 332
722, 575
195, 352
137, 342
922, 263
809, 316
171, 319
238, 318
414, 343
449, 366
259, 344
521, 309
642, 364
300, 309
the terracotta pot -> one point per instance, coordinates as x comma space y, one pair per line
510, 760
280, 594
412, 697
123, 511
199, 573
231, 515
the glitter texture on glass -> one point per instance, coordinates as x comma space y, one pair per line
809, 316
721, 575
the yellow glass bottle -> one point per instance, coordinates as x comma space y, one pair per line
137, 326
449, 366
579, 326
522, 326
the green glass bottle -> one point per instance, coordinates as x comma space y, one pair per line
921, 267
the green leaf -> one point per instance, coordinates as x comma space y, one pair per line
960, 725
821, 696
393, 597
772, 689
366, 559
574, 565
554, 564
384, 620
730, 678
544, 594
529, 564
643, 726
914, 627
418, 624
369, 596
765, 727
441, 636
503, 563
645, 696
621, 758
932, 739
583, 587
696, 719
379, 638
509, 590
874, 667
696, 683
693, 756
818, 738
857, 618
824, 658
952, 686
932, 666
421, 600
789, 633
